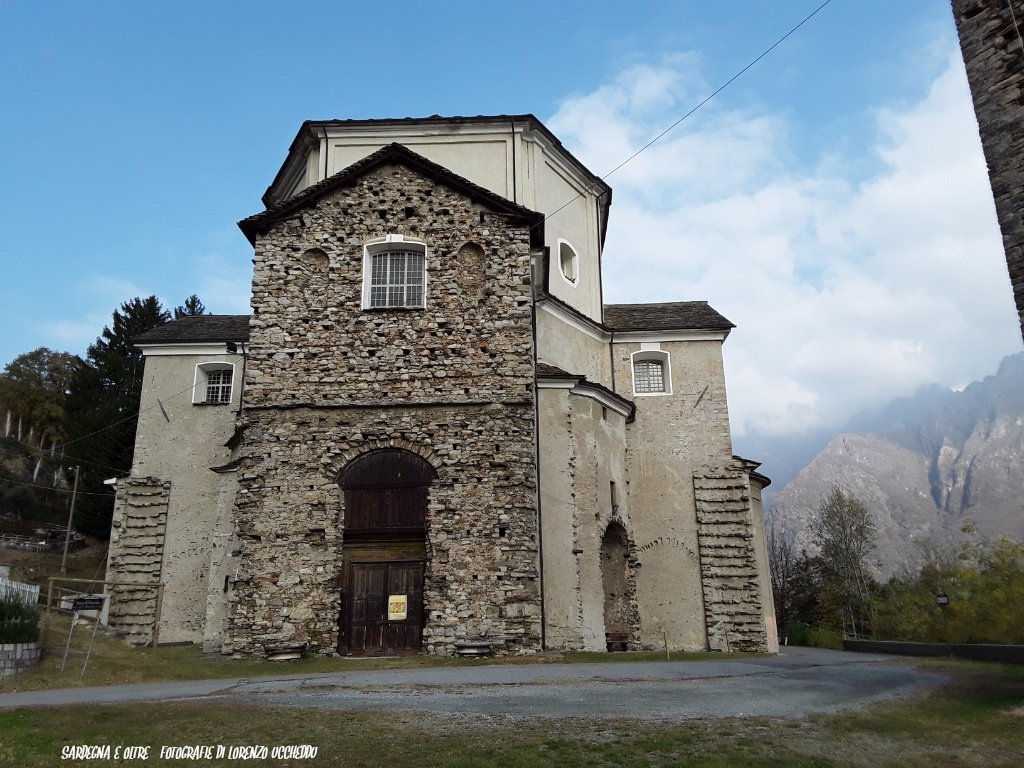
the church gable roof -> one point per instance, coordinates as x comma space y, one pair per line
390, 154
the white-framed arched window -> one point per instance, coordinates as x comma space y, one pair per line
568, 262
395, 273
652, 374
214, 383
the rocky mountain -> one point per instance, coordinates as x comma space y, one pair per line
925, 465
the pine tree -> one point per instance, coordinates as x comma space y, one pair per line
192, 306
103, 405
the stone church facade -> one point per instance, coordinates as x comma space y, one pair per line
432, 435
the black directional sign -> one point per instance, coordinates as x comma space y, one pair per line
87, 603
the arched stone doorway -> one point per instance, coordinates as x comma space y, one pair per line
384, 553
615, 580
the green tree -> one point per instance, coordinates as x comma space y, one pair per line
844, 532
984, 581
103, 406
33, 394
192, 306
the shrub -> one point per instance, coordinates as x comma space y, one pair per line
825, 637
19, 621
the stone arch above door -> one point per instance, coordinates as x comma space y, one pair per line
351, 456
386, 491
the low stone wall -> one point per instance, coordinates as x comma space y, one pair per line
979, 652
18, 657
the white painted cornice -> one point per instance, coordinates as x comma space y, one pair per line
697, 335
205, 349
577, 322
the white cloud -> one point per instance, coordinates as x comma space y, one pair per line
846, 292
102, 294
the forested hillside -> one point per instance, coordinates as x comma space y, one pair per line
64, 415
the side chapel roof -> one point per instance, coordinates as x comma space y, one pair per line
666, 316
392, 153
548, 371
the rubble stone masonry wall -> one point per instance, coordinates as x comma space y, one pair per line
328, 381
992, 42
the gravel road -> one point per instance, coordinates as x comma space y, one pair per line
797, 682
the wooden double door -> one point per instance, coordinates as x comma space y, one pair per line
382, 603
385, 525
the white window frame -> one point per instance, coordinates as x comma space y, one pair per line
203, 370
564, 246
651, 355
384, 245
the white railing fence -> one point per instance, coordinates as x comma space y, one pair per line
29, 593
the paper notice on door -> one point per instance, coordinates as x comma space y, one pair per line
398, 607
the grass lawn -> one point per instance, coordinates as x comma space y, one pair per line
978, 720
115, 662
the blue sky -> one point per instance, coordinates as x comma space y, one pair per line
832, 201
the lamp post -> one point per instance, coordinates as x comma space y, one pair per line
942, 600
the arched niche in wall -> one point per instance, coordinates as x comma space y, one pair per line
568, 263
615, 580
307, 265
471, 268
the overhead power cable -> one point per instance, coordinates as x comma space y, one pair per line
126, 418
704, 101
48, 488
59, 459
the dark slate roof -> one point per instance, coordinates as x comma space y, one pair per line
198, 329
668, 316
549, 371
554, 372
392, 153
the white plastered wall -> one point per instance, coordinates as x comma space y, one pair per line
671, 435
582, 450
180, 441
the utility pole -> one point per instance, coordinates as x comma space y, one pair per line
67, 535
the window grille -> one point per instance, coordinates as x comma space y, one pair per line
218, 386
396, 278
648, 376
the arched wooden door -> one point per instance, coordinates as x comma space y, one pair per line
384, 553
